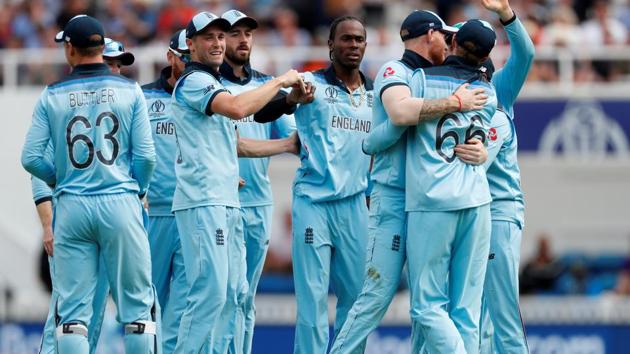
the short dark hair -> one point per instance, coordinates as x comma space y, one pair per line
337, 21
466, 51
90, 51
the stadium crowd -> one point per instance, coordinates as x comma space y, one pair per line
573, 24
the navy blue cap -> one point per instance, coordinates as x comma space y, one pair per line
82, 31
115, 50
488, 68
477, 37
235, 16
419, 22
178, 42
204, 19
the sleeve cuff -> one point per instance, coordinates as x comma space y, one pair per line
209, 104
380, 94
510, 21
42, 200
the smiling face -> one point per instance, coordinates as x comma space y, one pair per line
348, 44
239, 44
208, 46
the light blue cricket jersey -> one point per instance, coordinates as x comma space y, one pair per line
40, 190
331, 130
503, 172
97, 122
162, 188
389, 164
206, 164
436, 179
257, 188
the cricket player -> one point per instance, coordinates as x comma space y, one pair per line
168, 273
115, 56
206, 201
103, 158
422, 33
329, 205
255, 195
500, 308
448, 232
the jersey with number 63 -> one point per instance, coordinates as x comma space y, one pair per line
436, 180
99, 128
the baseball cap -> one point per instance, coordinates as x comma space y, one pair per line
477, 37
82, 31
115, 50
204, 19
420, 22
178, 42
235, 16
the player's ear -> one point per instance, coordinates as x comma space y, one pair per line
189, 43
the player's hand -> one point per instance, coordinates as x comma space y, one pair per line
472, 153
48, 239
471, 100
303, 97
500, 7
291, 78
293, 146
241, 182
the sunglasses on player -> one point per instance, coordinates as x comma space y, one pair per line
185, 57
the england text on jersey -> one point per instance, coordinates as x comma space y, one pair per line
350, 123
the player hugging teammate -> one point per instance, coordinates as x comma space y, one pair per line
446, 196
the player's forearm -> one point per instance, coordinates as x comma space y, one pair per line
275, 109
250, 102
44, 211
411, 111
382, 137
37, 166
510, 79
436, 108
141, 171
263, 148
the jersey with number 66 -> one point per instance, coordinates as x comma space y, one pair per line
436, 180
99, 128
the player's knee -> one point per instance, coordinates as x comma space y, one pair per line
72, 328
141, 327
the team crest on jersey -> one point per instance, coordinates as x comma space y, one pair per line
157, 108
389, 71
492, 134
370, 99
309, 236
208, 89
331, 94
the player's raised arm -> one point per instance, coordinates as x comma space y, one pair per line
142, 148
510, 79
37, 138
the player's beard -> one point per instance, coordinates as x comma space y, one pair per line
233, 57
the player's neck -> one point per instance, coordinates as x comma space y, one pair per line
88, 60
421, 50
350, 77
238, 70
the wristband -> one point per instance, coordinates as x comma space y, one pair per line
512, 19
459, 101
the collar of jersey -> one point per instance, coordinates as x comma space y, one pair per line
454, 60
163, 80
331, 79
414, 60
197, 66
228, 73
90, 69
